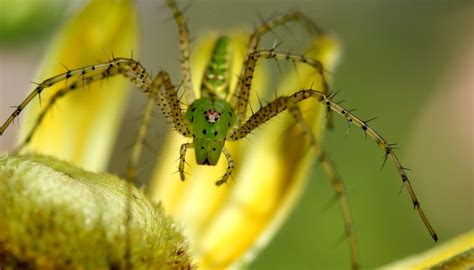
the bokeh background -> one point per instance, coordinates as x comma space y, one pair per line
409, 63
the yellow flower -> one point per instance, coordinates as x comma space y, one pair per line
226, 225
229, 224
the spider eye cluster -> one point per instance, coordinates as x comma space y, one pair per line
210, 118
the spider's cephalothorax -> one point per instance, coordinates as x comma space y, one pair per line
210, 121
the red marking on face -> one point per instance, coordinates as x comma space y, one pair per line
212, 115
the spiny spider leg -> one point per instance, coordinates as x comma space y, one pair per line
277, 21
138, 144
254, 41
281, 104
131, 175
230, 167
182, 158
184, 50
270, 54
166, 100
334, 179
105, 69
85, 80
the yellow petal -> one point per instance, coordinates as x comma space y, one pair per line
228, 223
81, 127
272, 174
456, 254
196, 200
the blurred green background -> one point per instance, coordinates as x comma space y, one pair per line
410, 63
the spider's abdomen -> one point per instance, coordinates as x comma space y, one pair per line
215, 81
209, 120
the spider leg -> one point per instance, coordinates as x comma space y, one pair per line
381, 142
290, 103
182, 158
255, 39
138, 144
131, 175
184, 50
274, 22
281, 104
244, 94
230, 168
334, 179
166, 100
86, 75
170, 107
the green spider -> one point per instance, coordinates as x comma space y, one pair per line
219, 114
